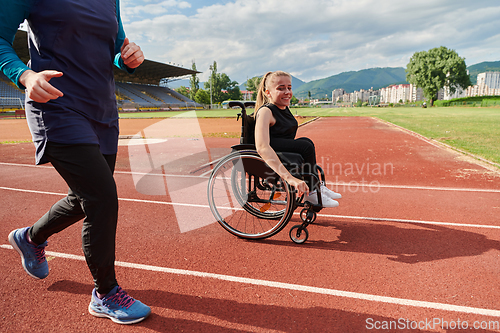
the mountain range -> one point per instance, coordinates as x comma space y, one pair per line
375, 78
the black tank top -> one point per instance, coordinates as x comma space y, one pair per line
286, 125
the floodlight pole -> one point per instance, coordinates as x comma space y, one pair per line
211, 68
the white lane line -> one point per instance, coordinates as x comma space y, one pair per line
329, 184
411, 221
122, 199
366, 218
31, 191
412, 187
294, 287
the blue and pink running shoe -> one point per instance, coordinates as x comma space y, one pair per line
32, 256
118, 306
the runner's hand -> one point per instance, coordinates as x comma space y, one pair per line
38, 87
131, 54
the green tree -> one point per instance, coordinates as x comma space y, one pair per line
183, 91
202, 97
222, 86
234, 92
213, 85
435, 69
194, 83
253, 84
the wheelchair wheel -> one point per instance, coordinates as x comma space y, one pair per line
247, 198
298, 234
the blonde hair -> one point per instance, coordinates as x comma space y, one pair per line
264, 83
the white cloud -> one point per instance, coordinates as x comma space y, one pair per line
129, 11
312, 39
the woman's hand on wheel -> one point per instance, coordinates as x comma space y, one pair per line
299, 185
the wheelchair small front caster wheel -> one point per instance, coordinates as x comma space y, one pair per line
307, 215
298, 234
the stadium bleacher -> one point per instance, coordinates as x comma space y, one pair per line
140, 91
130, 97
11, 96
137, 97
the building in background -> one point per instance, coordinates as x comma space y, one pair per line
488, 84
337, 93
490, 79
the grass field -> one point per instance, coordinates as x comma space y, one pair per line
475, 130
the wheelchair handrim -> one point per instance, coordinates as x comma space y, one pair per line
283, 215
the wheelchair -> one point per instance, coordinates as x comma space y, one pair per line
249, 199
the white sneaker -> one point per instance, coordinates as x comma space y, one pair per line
326, 201
325, 191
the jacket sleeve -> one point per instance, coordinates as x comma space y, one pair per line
13, 13
120, 38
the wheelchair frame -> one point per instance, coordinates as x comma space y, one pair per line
249, 199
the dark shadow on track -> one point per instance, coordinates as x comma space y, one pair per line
409, 243
259, 316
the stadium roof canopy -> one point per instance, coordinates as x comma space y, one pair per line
150, 72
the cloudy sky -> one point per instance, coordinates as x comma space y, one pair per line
311, 39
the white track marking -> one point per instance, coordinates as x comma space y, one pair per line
31, 191
367, 218
27, 165
413, 187
410, 221
330, 184
294, 287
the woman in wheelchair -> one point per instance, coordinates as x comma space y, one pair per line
275, 130
251, 192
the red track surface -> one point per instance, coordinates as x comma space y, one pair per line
417, 247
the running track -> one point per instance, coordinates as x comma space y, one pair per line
415, 242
